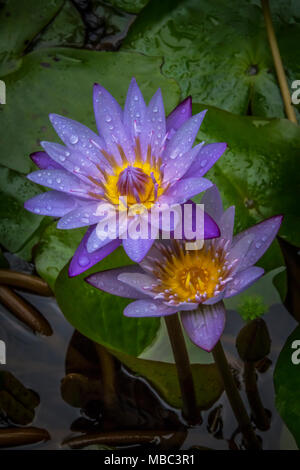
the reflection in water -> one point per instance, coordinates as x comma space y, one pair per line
70, 375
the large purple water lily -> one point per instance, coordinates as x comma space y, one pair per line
139, 156
171, 279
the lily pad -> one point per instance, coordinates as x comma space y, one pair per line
66, 29
132, 6
16, 224
259, 171
55, 248
60, 80
20, 23
218, 51
287, 384
163, 376
99, 315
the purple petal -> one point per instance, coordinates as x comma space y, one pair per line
137, 249
140, 281
243, 280
154, 130
61, 180
179, 115
183, 139
180, 166
206, 158
110, 125
108, 281
134, 110
44, 162
263, 234
184, 190
148, 308
239, 250
226, 223
88, 214
74, 162
53, 203
205, 325
79, 138
82, 260
213, 203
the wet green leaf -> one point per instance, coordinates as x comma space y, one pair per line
66, 29
287, 384
60, 80
99, 315
259, 171
55, 248
218, 51
163, 376
20, 22
16, 224
132, 6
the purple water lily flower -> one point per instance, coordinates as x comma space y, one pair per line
139, 156
171, 279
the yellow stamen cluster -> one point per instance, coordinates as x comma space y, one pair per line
145, 190
189, 276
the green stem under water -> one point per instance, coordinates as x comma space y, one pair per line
234, 397
184, 371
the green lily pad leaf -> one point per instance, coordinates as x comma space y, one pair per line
99, 315
218, 51
258, 173
67, 29
20, 22
55, 248
60, 80
163, 376
287, 384
16, 224
3, 261
132, 6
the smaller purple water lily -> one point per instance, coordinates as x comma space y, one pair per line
139, 156
171, 279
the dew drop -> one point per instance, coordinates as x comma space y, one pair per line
74, 139
108, 118
203, 163
155, 109
83, 261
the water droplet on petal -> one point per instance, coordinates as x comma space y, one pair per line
203, 163
83, 261
155, 109
74, 139
108, 118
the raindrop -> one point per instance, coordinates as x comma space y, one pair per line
83, 261
37, 210
203, 163
108, 118
74, 139
49, 181
62, 158
155, 109
258, 244
58, 180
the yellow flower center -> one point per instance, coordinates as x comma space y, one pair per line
130, 183
190, 276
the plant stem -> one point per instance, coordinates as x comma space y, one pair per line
260, 417
184, 371
235, 398
289, 110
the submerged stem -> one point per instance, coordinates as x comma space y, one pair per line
184, 371
285, 92
234, 397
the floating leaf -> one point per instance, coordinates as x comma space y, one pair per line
16, 224
56, 247
60, 80
287, 384
218, 51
